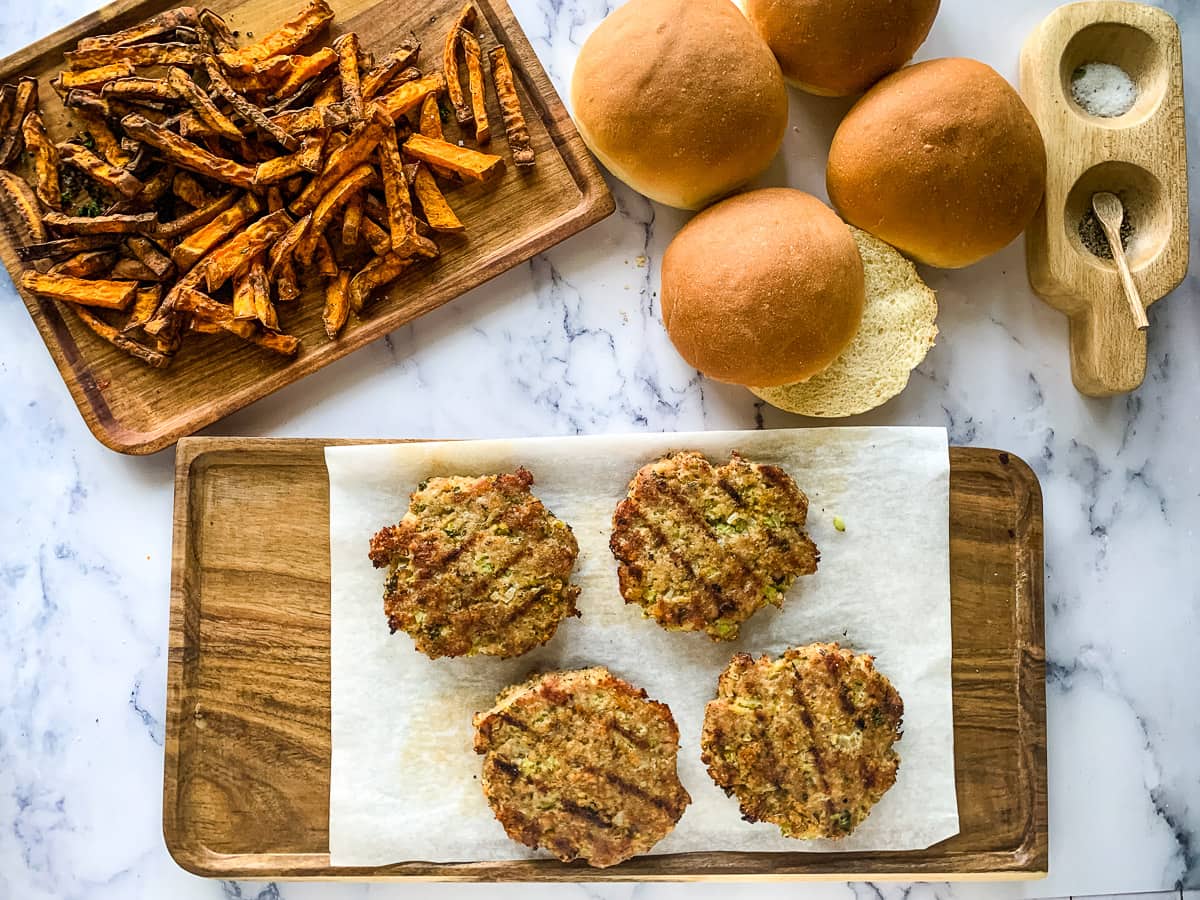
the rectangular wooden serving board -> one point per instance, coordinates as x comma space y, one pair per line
135, 409
246, 783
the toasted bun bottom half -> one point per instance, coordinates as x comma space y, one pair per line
835, 48
680, 99
764, 288
942, 160
897, 331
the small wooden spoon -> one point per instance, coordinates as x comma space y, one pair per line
1111, 213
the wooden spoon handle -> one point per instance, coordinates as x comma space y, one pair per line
1131, 291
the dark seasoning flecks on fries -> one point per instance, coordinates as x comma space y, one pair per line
204, 182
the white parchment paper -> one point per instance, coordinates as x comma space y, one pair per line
405, 781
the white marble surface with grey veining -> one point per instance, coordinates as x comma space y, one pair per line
571, 343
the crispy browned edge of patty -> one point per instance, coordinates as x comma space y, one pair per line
879, 771
668, 796
626, 518
391, 540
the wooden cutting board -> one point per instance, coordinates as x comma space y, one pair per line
246, 782
134, 409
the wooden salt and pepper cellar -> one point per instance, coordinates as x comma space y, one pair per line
1141, 156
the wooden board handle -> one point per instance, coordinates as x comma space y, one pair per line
1108, 355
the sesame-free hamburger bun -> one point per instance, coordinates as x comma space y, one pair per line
680, 99
765, 288
841, 47
942, 160
898, 328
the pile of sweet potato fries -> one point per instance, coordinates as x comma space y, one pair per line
206, 182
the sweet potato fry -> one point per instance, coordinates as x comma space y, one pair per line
151, 357
128, 269
92, 79
45, 160
275, 199
88, 264
410, 95
305, 94
84, 291
314, 118
264, 79
475, 86
205, 238
352, 222
354, 152
218, 32
88, 102
431, 119
378, 77
145, 304
187, 155
156, 26
243, 294
197, 218
264, 309
108, 146
438, 214
12, 138
330, 93
324, 258
337, 303
311, 152
430, 125
281, 168
465, 20
138, 88
121, 223
151, 257
470, 164
234, 256
304, 68
286, 39
376, 237
287, 285
283, 344
154, 189
20, 215
358, 179
181, 83
247, 110
58, 249
139, 55
380, 271
192, 126
203, 326
401, 221
185, 186
347, 49
510, 107
8, 99
98, 170
283, 249
205, 309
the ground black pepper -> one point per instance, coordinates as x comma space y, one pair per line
1091, 233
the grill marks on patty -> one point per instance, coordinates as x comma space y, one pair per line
583, 764
804, 741
702, 548
477, 565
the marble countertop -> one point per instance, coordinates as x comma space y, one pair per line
572, 343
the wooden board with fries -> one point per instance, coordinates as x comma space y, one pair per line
202, 205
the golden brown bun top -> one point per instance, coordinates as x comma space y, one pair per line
841, 47
680, 99
765, 288
942, 160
